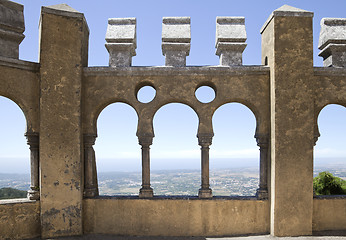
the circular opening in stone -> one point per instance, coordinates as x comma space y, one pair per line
146, 94
205, 94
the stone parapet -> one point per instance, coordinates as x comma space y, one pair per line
332, 42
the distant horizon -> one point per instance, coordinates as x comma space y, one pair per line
18, 166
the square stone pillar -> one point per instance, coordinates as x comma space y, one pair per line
63, 54
287, 47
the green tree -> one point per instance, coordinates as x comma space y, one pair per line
327, 184
10, 193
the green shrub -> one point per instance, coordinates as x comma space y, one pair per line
327, 184
10, 193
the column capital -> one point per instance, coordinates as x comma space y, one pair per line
145, 141
32, 139
262, 140
89, 139
205, 139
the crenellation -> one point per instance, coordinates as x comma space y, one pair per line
61, 98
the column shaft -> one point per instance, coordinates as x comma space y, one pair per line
204, 140
146, 191
262, 191
90, 173
33, 142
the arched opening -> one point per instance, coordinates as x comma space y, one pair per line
117, 151
15, 153
175, 161
330, 149
234, 155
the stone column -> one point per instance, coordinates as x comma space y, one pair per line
90, 172
63, 55
287, 43
230, 40
33, 142
262, 191
146, 191
121, 41
332, 42
205, 140
176, 38
11, 28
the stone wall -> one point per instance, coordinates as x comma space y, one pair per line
19, 219
176, 217
61, 98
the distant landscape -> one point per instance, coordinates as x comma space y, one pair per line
236, 181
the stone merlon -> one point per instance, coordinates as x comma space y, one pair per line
121, 41
230, 40
332, 42
11, 28
176, 38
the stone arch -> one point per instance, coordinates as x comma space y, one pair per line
185, 103
117, 148
33, 142
260, 129
262, 138
318, 110
185, 154
23, 108
233, 147
105, 105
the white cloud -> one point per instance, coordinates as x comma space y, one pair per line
187, 154
241, 153
329, 152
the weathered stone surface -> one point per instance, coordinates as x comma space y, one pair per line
176, 217
292, 120
61, 141
19, 219
176, 38
11, 28
230, 29
329, 213
332, 42
61, 99
121, 41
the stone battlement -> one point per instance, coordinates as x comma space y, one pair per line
61, 98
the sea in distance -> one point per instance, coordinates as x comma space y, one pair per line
172, 177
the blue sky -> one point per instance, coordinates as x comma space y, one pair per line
175, 144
